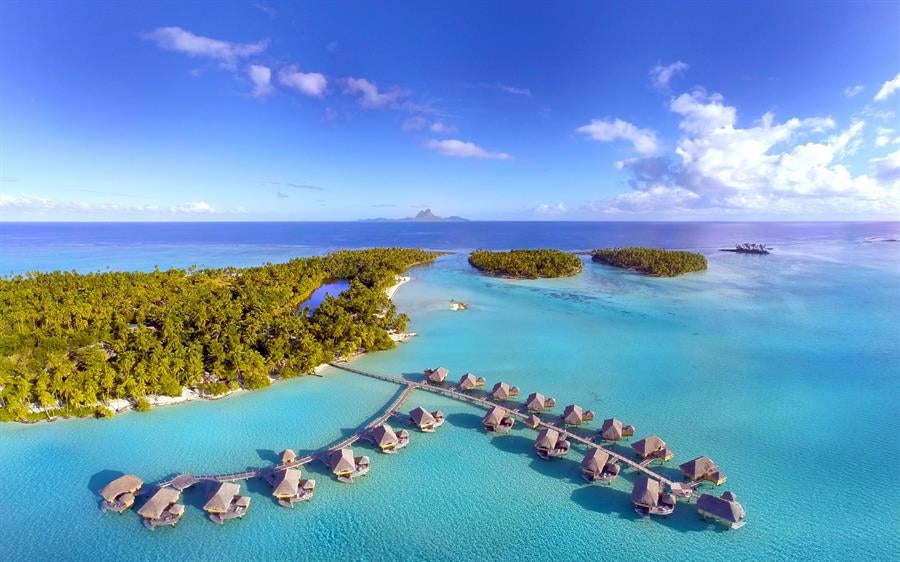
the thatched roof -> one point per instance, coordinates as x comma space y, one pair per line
533, 421
535, 401
384, 436
158, 502
611, 430
494, 416
468, 381
222, 498
595, 460
420, 416
649, 445
501, 391
341, 460
721, 508
573, 414
547, 439
287, 483
729, 496
308, 485
176, 509
438, 375
698, 468
288, 456
645, 492
128, 483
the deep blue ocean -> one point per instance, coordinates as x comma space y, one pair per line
784, 369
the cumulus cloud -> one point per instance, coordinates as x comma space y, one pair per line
888, 88
550, 209
261, 76
369, 96
661, 75
643, 140
851, 91
462, 149
310, 84
201, 207
183, 41
441, 127
796, 165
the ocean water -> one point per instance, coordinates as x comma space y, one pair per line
785, 369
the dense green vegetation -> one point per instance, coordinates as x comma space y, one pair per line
652, 261
71, 342
526, 264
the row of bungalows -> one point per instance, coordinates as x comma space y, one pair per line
498, 420
289, 488
119, 494
703, 468
576, 415
550, 444
426, 421
226, 503
162, 508
648, 498
652, 447
388, 440
614, 430
470, 382
346, 467
437, 376
725, 509
597, 466
536, 402
503, 391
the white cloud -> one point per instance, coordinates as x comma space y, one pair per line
441, 127
550, 209
795, 166
201, 207
513, 90
310, 84
851, 91
183, 41
661, 75
888, 88
644, 140
35, 205
462, 149
370, 97
261, 76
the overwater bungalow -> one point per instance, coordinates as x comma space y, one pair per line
387, 440
498, 420
536, 402
503, 391
437, 376
575, 415
426, 421
290, 489
653, 447
725, 510
471, 382
118, 495
162, 508
703, 468
227, 503
648, 500
533, 421
287, 456
598, 467
347, 467
614, 430
549, 444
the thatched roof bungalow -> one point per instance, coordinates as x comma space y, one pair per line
470, 382
385, 437
612, 430
503, 391
422, 419
573, 415
162, 508
347, 467
725, 510
437, 376
550, 444
498, 420
287, 456
287, 484
648, 498
703, 468
118, 495
652, 446
533, 421
222, 498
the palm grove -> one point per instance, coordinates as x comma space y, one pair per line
71, 342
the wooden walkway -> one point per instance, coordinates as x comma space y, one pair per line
183, 481
484, 403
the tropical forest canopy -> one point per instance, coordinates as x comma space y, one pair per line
652, 261
526, 264
70, 342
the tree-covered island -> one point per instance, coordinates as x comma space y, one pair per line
652, 261
70, 342
526, 264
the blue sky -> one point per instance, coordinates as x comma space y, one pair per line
490, 110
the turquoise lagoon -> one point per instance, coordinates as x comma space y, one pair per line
783, 369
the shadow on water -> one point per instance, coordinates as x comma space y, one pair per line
464, 420
269, 456
102, 478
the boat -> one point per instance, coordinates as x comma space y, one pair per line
748, 248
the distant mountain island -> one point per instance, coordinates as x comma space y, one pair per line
422, 216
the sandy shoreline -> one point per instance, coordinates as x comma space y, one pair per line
121, 405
